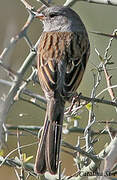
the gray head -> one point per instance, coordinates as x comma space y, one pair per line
59, 18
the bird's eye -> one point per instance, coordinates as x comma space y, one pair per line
51, 15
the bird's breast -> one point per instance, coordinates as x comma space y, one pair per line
53, 46
61, 59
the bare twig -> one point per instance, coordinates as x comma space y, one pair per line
24, 84
22, 174
23, 146
5, 82
70, 130
107, 76
109, 84
34, 95
23, 128
17, 174
44, 2
91, 156
34, 103
91, 120
16, 163
106, 89
105, 34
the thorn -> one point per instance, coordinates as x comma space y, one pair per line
109, 78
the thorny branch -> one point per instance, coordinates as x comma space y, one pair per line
94, 164
19, 87
104, 64
107, 76
6, 105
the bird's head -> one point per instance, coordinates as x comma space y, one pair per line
60, 18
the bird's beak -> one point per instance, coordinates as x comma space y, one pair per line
40, 16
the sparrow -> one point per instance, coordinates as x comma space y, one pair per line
63, 53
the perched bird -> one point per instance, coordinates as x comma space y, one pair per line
63, 52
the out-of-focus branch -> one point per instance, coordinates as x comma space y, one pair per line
34, 95
33, 103
25, 83
16, 84
84, 153
44, 2
14, 162
21, 127
21, 34
105, 34
37, 128
7, 103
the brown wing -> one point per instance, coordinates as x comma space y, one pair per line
78, 50
62, 60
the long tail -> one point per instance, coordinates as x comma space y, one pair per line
49, 146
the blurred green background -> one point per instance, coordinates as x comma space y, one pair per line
96, 18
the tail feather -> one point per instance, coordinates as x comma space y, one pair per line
53, 147
40, 162
54, 134
49, 146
